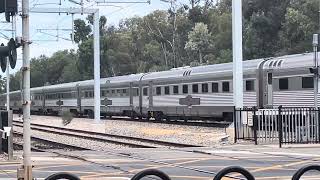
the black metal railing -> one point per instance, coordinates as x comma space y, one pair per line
285, 125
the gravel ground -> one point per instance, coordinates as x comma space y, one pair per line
3, 157
94, 145
204, 136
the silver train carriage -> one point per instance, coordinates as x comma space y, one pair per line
275, 81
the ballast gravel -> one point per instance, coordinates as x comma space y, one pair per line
195, 135
93, 145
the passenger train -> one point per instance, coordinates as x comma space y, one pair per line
274, 81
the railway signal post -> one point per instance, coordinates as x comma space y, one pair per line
315, 70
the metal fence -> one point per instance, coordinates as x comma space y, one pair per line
282, 125
244, 124
299, 126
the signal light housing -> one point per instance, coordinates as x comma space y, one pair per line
9, 51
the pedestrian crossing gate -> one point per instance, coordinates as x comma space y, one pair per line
283, 125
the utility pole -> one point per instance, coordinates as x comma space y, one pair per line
174, 10
96, 46
315, 44
96, 65
237, 53
27, 166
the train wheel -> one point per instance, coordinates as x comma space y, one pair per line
158, 116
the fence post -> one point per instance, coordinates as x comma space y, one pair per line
318, 119
235, 123
280, 125
255, 125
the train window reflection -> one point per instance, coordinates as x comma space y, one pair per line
283, 84
145, 91
215, 87
307, 82
185, 89
158, 90
205, 87
225, 86
166, 90
195, 88
175, 89
250, 85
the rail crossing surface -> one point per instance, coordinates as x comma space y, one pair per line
264, 162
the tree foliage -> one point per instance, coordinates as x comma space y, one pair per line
202, 34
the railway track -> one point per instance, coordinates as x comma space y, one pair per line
200, 123
221, 124
39, 144
129, 141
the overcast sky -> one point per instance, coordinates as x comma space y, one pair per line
47, 45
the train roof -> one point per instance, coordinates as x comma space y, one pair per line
291, 61
225, 68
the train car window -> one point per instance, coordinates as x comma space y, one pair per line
185, 89
166, 90
145, 91
225, 86
249, 85
175, 89
283, 83
118, 91
124, 91
158, 91
307, 82
205, 88
195, 88
215, 87
86, 94
137, 92
102, 93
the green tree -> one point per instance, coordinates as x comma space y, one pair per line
199, 39
81, 31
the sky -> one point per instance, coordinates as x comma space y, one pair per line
43, 44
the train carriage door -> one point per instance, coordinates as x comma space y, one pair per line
150, 96
269, 89
79, 97
262, 84
43, 100
131, 95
